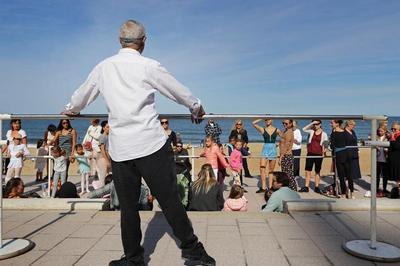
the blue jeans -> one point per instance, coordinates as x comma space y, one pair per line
57, 176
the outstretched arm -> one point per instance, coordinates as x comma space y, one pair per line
83, 96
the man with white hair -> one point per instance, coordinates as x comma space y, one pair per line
137, 143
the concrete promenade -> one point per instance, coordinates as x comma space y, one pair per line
253, 238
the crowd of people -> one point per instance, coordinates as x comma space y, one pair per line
281, 147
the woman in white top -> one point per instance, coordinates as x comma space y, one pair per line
14, 131
296, 149
17, 151
92, 136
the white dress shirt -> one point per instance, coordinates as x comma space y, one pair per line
128, 82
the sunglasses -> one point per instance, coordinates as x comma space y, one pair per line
164, 122
284, 123
17, 139
179, 146
64, 123
239, 124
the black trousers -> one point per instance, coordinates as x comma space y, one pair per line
343, 171
382, 170
158, 170
296, 162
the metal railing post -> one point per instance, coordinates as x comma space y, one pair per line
373, 185
192, 154
1, 185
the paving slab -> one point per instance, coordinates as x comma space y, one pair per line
252, 238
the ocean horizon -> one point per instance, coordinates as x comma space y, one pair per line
189, 133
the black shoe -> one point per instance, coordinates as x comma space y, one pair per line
198, 254
245, 191
304, 189
261, 190
317, 190
248, 176
125, 262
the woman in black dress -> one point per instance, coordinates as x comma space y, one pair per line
169, 132
394, 153
342, 158
353, 141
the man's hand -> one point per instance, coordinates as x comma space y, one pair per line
69, 113
198, 118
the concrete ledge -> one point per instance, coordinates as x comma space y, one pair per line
340, 205
53, 204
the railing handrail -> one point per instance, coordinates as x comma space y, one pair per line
210, 115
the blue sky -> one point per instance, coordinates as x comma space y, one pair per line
317, 57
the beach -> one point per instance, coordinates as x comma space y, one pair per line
253, 163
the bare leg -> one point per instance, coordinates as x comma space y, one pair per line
263, 163
317, 179
271, 168
308, 177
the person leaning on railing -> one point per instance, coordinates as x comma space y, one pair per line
138, 145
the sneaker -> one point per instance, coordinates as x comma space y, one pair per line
317, 190
261, 190
198, 254
125, 262
304, 189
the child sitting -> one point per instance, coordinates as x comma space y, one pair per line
236, 200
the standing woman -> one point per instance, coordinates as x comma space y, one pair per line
286, 159
92, 136
382, 163
66, 139
169, 132
14, 131
342, 158
269, 152
394, 153
296, 149
353, 152
103, 159
239, 133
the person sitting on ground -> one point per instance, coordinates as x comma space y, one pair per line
182, 164
67, 191
282, 192
236, 200
205, 193
14, 189
108, 191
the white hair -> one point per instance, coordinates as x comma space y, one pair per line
131, 32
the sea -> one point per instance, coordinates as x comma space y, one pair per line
188, 132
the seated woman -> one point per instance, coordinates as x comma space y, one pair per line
108, 191
282, 192
67, 191
205, 193
14, 189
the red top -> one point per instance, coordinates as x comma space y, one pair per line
315, 145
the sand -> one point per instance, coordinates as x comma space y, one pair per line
254, 163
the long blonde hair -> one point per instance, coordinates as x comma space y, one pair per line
238, 121
205, 181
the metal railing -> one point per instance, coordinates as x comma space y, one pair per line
372, 118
